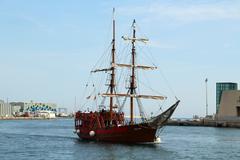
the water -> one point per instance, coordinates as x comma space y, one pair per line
54, 139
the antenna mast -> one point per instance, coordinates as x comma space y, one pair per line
206, 81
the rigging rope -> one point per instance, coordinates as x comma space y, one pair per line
124, 101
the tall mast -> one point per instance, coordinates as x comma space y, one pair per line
112, 83
132, 82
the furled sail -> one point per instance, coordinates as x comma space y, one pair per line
101, 70
134, 96
136, 66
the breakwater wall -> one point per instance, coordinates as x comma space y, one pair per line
205, 123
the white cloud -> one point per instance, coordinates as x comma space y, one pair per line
186, 12
160, 45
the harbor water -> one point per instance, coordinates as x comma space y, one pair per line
54, 139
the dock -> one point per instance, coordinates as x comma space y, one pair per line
205, 123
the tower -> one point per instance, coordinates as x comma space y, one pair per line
220, 87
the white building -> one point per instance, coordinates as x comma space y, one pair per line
36, 107
5, 109
45, 114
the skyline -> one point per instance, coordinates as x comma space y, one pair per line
46, 47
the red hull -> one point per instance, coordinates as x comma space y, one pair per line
96, 126
122, 134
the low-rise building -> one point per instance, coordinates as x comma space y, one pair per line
45, 114
17, 106
37, 106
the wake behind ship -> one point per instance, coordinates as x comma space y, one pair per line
109, 123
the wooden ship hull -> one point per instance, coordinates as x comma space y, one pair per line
92, 126
122, 134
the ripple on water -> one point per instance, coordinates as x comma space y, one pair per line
54, 139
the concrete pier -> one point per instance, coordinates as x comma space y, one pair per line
205, 123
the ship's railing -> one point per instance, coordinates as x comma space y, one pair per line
98, 119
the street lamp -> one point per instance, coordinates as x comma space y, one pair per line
206, 81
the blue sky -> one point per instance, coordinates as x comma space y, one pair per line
47, 48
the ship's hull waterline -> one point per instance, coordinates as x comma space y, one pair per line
123, 134
96, 129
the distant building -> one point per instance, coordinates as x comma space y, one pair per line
46, 110
230, 105
227, 101
62, 112
220, 87
17, 107
45, 114
5, 109
34, 107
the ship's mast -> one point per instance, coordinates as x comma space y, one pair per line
133, 66
112, 82
132, 81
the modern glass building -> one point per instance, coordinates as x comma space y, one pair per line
220, 87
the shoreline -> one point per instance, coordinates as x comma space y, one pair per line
32, 118
189, 123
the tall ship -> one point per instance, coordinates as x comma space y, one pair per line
108, 122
